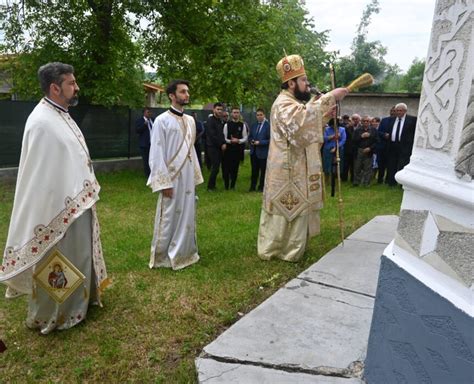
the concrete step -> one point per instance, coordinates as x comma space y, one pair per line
314, 329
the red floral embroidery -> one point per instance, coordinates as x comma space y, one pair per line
34, 249
66, 220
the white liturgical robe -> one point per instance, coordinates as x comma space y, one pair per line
174, 164
54, 208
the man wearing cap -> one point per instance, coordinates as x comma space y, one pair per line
293, 192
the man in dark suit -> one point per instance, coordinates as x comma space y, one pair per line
259, 139
143, 127
215, 143
400, 143
384, 130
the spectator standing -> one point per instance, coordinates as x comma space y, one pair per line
349, 150
329, 148
383, 131
235, 135
402, 135
365, 141
144, 126
259, 139
215, 143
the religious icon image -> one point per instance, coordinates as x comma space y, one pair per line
58, 276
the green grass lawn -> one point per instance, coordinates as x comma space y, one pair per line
155, 322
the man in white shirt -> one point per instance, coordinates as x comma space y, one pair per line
400, 145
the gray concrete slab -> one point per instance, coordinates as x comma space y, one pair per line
354, 266
315, 329
381, 229
303, 325
214, 372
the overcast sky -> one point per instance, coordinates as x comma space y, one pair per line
402, 26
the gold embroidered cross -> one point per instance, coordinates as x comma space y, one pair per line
289, 200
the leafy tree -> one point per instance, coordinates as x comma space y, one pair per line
229, 49
366, 56
92, 35
413, 79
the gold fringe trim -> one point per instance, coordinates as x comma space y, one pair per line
104, 284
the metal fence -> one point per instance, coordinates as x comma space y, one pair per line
109, 132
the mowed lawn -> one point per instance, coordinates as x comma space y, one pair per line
154, 323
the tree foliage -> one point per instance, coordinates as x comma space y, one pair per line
366, 56
229, 49
93, 35
413, 79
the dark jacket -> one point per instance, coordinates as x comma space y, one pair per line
407, 137
263, 137
368, 142
214, 133
141, 127
384, 127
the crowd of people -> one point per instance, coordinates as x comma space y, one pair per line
369, 147
221, 143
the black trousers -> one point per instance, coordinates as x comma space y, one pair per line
396, 162
197, 147
145, 152
258, 168
348, 167
230, 165
215, 158
382, 165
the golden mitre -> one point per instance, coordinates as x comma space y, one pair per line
290, 67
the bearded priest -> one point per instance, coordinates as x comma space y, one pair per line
175, 172
53, 250
293, 190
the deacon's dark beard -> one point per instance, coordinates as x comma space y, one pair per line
302, 96
73, 101
182, 102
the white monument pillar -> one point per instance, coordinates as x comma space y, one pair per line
423, 324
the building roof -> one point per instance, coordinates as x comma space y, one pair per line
153, 87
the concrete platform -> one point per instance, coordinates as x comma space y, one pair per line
214, 372
314, 329
381, 229
348, 267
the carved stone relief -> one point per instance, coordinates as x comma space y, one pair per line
444, 74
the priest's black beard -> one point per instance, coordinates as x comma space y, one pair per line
302, 96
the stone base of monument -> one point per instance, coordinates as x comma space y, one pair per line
422, 326
313, 330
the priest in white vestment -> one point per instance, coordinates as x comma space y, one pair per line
175, 172
54, 212
293, 190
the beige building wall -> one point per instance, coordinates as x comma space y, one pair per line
378, 104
